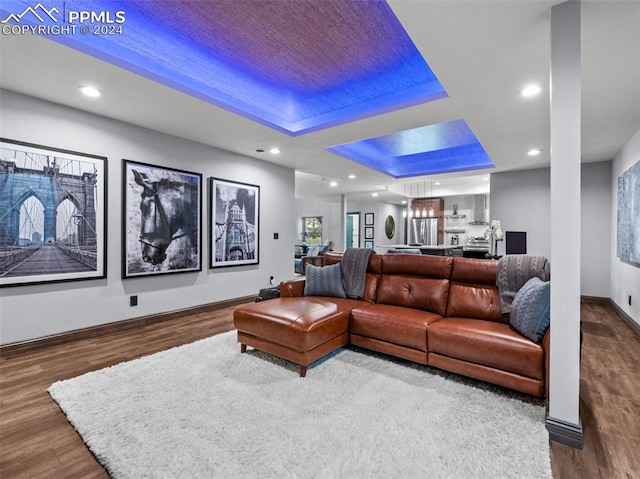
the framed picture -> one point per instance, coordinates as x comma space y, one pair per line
53, 224
368, 244
368, 232
628, 221
368, 219
161, 220
234, 223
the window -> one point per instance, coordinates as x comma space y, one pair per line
312, 225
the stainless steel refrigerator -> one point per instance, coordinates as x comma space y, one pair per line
423, 231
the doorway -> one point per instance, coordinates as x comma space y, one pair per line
353, 230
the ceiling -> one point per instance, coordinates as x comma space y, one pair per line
482, 52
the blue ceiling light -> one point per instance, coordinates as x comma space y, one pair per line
441, 148
296, 67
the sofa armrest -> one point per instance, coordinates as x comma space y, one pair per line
546, 346
293, 288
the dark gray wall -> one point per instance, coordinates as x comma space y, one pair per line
521, 201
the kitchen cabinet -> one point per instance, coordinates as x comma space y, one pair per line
430, 208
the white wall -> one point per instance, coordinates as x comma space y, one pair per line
330, 212
29, 312
625, 278
381, 211
331, 216
521, 201
595, 236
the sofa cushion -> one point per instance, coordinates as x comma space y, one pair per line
427, 294
488, 343
426, 266
324, 281
474, 301
394, 324
473, 292
530, 310
418, 282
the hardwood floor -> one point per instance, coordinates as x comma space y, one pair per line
36, 441
609, 401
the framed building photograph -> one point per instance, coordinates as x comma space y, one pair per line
161, 220
53, 224
368, 244
368, 219
234, 223
368, 232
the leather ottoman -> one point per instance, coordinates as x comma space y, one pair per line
301, 330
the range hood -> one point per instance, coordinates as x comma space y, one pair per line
479, 210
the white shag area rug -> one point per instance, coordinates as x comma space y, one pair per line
204, 410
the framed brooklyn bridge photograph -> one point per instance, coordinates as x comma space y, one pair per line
52, 214
162, 217
234, 232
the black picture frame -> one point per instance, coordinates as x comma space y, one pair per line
54, 225
234, 223
368, 232
368, 244
368, 219
161, 220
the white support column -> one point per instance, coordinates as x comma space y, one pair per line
563, 420
343, 224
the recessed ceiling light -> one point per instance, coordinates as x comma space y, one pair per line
485, 178
437, 183
531, 90
333, 184
533, 152
352, 177
90, 91
274, 151
374, 194
404, 202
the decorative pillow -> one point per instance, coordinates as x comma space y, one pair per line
530, 310
324, 281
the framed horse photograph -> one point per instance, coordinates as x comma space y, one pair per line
53, 221
161, 220
234, 223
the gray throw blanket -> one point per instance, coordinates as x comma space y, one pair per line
514, 270
354, 271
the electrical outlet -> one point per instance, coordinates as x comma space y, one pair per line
133, 300
276, 235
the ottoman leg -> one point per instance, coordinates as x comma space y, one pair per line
303, 371
243, 348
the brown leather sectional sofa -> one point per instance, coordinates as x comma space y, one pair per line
439, 311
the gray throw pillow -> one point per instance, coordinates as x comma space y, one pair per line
531, 309
324, 281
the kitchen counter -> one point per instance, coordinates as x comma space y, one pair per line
434, 250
